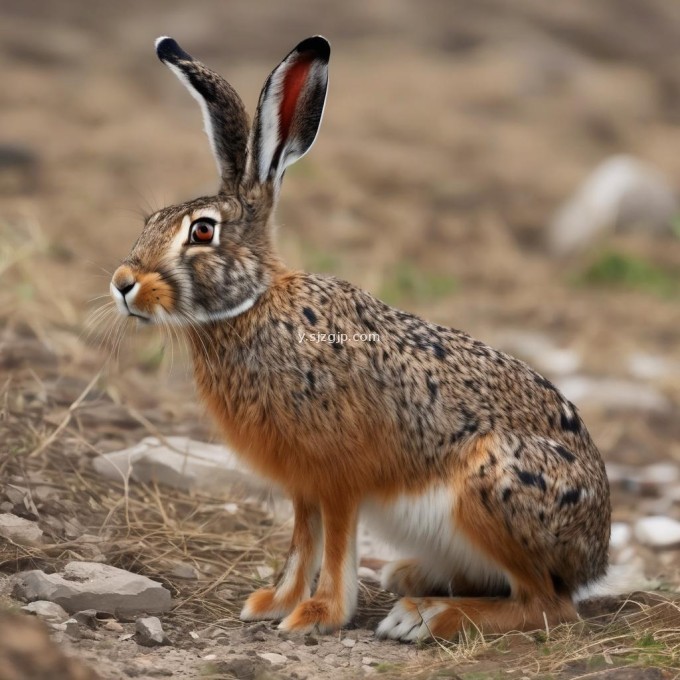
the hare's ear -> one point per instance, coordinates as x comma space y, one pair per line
224, 116
289, 111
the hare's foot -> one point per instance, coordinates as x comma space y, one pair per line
335, 598
317, 613
301, 565
268, 604
422, 618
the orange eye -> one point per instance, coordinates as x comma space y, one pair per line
202, 231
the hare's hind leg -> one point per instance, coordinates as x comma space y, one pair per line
418, 618
302, 563
531, 509
417, 578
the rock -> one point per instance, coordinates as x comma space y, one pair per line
90, 585
649, 367
658, 532
621, 194
183, 570
348, 642
273, 657
72, 628
620, 535
540, 351
49, 611
612, 393
87, 617
648, 480
113, 626
181, 463
20, 530
264, 572
150, 632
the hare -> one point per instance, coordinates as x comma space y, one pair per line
464, 457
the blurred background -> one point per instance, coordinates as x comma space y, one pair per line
510, 169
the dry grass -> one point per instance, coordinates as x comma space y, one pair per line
146, 529
640, 631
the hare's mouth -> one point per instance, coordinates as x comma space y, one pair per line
124, 299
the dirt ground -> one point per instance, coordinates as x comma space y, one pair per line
453, 131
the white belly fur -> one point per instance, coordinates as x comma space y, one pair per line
423, 527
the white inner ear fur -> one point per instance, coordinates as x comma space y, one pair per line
269, 123
207, 120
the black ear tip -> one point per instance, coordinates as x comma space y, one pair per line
168, 50
318, 45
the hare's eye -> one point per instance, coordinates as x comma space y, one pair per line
202, 231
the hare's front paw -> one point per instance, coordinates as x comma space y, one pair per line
264, 605
317, 613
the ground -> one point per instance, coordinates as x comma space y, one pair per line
453, 132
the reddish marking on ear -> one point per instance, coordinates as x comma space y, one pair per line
292, 85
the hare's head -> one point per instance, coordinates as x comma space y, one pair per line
211, 258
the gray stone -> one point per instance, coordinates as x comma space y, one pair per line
72, 628
620, 535
49, 611
540, 351
621, 194
612, 393
650, 367
87, 617
150, 632
20, 530
273, 657
659, 531
183, 570
180, 463
90, 585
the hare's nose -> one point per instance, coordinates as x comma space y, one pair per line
123, 280
125, 288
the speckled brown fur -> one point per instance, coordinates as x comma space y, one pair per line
415, 407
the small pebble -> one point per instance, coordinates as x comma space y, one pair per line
72, 628
658, 532
620, 536
273, 657
49, 611
264, 572
150, 631
113, 626
348, 642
